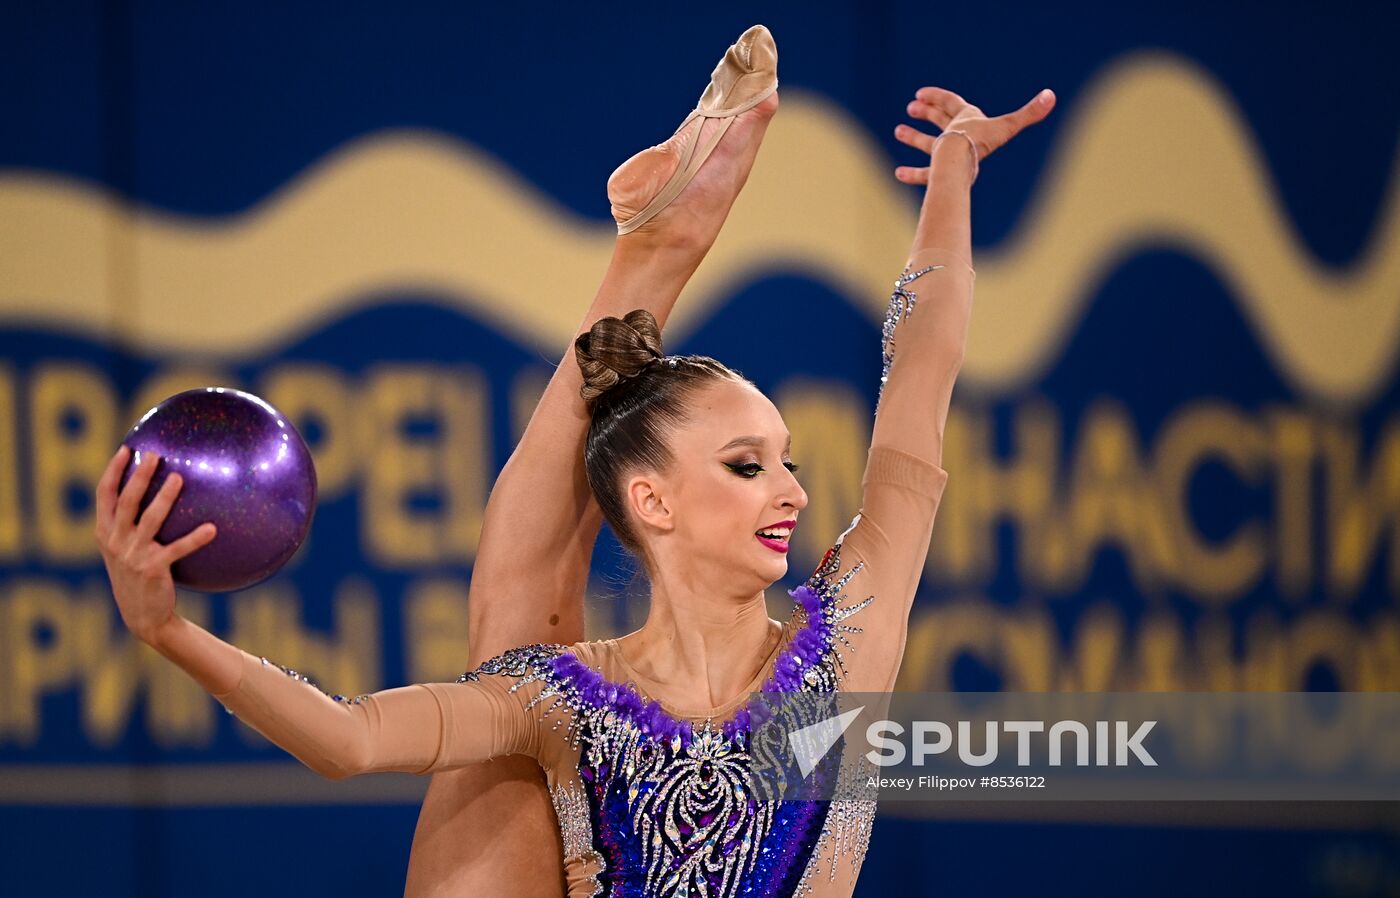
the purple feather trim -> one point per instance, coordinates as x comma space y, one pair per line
803, 652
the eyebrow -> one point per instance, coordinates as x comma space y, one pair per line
751, 441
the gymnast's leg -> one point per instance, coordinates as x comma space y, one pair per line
490, 829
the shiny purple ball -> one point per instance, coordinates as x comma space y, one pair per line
245, 468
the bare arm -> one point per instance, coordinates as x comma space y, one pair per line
533, 591
541, 519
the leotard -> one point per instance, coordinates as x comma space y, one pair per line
653, 799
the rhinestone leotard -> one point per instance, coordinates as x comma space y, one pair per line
654, 800
661, 804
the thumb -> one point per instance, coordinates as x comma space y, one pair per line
1036, 109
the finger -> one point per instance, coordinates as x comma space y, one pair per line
911, 175
1035, 110
156, 512
945, 101
928, 113
189, 543
130, 499
914, 138
107, 487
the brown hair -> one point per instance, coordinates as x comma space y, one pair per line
636, 396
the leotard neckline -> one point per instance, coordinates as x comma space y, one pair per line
645, 687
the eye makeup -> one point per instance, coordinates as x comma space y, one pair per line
752, 469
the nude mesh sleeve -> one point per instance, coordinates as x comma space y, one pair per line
415, 729
889, 539
923, 339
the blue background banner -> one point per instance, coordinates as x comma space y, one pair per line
1174, 449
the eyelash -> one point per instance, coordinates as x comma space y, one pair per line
753, 469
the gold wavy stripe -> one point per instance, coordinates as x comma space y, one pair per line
1152, 154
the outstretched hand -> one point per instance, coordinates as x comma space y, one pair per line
949, 111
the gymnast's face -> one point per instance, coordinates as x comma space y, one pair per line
732, 476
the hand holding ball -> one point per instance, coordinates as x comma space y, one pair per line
245, 469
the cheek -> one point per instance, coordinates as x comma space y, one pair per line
727, 510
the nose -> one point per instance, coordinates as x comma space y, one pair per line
794, 496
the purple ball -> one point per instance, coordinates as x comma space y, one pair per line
245, 468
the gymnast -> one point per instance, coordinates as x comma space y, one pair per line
627, 760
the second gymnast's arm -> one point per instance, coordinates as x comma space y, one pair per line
541, 520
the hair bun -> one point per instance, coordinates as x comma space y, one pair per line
616, 350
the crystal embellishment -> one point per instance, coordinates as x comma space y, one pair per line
664, 804
901, 306
297, 675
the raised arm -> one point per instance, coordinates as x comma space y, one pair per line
924, 338
541, 519
937, 282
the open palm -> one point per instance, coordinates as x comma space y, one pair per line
949, 111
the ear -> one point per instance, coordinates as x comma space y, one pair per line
645, 497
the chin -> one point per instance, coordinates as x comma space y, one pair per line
775, 568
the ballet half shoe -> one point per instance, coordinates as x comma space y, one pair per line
745, 77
